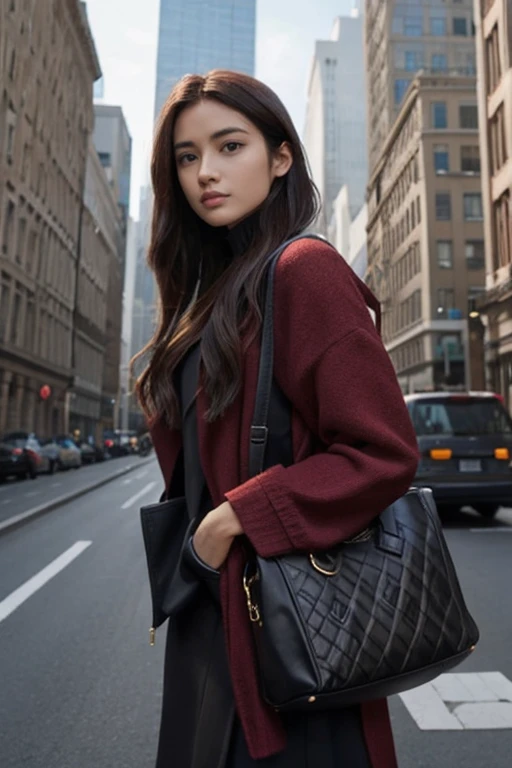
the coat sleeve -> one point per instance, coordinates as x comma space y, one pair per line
331, 364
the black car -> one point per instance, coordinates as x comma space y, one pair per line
21, 456
465, 442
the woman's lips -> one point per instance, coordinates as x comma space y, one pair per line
214, 202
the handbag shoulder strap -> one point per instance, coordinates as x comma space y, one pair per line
259, 428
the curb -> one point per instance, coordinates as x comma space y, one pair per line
24, 517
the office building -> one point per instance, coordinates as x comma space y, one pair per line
493, 19
335, 127
403, 37
426, 259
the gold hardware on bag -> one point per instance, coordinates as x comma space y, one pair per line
254, 611
359, 537
321, 570
152, 633
311, 699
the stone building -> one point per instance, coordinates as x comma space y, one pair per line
493, 19
47, 69
96, 338
425, 236
402, 38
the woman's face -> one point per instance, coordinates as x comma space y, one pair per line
224, 166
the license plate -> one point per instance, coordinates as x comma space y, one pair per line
470, 465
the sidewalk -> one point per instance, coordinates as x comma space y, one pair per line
82, 481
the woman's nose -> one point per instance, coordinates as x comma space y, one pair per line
207, 171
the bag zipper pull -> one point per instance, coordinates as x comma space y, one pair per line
152, 633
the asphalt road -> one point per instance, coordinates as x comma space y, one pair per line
80, 686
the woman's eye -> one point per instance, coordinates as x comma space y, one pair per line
232, 146
186, 159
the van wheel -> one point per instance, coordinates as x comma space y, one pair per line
487, 510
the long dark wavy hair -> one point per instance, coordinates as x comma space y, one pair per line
183, 248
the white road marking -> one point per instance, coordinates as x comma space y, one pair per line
498, 529
31, 493
127, 481
55, 485
483, 701
138, 495
6, 501
16, 598
142, 474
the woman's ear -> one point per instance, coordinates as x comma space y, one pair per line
282, 160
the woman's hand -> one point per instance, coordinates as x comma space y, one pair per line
214, 537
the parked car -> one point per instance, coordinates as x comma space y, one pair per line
51, 449
120, 442
69, 454
465, 441
21, 456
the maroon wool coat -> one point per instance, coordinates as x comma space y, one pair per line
331, 364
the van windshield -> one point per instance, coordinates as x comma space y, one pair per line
460, 417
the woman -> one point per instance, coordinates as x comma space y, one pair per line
231, 184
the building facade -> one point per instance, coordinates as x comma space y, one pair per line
426, 260
114, 147
198, 35
403, 37
347, 234
97, 332
335, 126
493, 19
47, 71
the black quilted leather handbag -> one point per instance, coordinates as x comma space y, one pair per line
377, 615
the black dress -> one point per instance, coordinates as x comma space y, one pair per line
199, 727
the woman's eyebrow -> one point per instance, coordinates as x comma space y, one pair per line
216, 135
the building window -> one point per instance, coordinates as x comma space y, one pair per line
413, 26
470, 159
493, 62
503, 224
443, 206
439, 115
438, 26
460, 27
444, 254
401, 86
441, 158
445, 301
468, 116
5, 293
16, 315
473, 206
12, 65
475, 254
413, 61
439, 62
498, 140
22, 231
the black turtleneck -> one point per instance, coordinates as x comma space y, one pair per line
241, 235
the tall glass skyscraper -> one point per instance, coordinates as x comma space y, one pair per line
195, 36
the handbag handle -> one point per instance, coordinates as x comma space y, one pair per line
259, 428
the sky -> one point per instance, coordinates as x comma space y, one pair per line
125, 35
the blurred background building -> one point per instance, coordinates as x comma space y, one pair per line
335, 126
493, 19
426, 254
63, 215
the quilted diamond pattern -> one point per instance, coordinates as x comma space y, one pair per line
390, 610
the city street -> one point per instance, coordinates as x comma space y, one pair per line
80, 683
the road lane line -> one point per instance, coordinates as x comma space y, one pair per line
31, 493
16, 598
6, 501
127, 481
141, 474
138, 495
55, 485
498, 529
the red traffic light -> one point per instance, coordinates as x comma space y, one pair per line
45, 392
